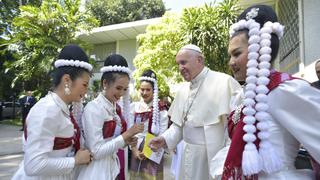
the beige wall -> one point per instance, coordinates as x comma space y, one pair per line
128, 49
310, 40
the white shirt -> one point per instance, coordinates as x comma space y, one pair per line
106, 163
49, 118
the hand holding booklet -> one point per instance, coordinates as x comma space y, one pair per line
153, 156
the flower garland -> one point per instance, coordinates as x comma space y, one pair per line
155, 128
116, 68
255, 102
76, 63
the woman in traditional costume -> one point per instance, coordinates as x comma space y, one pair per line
105, 123
153, 114
52, 135
275, 113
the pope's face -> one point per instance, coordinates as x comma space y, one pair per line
238, 51
189, 64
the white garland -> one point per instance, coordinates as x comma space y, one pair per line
76, 63
155, 128
126, 106
116, 68
269, 158
256, 107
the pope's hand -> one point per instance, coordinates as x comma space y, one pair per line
156, 143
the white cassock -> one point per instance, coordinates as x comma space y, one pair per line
49, 118
205, 102
295, 108
105, 164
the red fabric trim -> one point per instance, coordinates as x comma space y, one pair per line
62, 142
148, 115
123, 120
277, 78
232, 166
76, 136
110, 126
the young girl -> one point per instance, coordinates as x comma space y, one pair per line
51, 133
104, 123
154, 116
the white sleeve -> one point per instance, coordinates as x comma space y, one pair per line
42, 126
172, 136
93, 123
296, 106
163, 121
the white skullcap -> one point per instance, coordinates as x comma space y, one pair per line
191, 47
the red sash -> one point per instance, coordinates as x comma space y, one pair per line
232, 166
62, 142
144, 116
110, 126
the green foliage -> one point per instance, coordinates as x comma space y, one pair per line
10, 9
157, 50
206, 26
119, 11
39, 34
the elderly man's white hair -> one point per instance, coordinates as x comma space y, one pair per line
191, 47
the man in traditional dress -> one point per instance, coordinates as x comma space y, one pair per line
198, 113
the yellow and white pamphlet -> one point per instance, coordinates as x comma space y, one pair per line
153, 156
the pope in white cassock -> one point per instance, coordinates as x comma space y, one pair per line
198, 114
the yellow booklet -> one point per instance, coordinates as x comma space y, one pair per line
153, 156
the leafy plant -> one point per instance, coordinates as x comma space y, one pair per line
207, 27
40, 33
157, 50
119, 11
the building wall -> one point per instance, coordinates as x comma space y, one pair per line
128, 49
311, 17
99, 53
310, 41
289, 50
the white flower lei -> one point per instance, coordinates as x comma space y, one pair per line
76, 63
255, 102
116, 68
155, 128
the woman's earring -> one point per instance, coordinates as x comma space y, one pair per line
67, 90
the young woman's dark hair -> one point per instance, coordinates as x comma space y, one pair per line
70, 52
114, 60
151, 74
